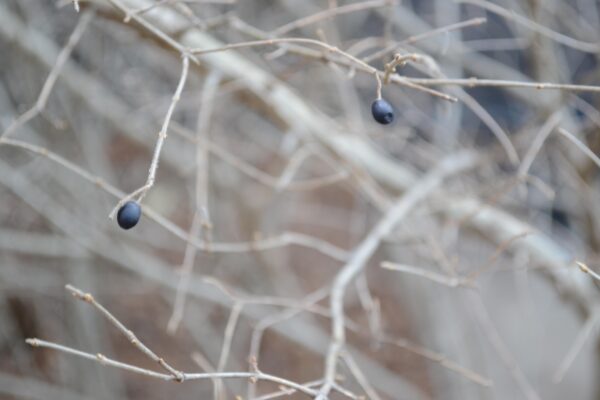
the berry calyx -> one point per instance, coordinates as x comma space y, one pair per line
129, 215
382, 111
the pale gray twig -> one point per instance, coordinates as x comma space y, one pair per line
326, 14
234, 316
580, 145
588, 47
63, 56
588, 330
259, 376
450, 281
201, 220
367, 247
359, 376
584, 268
500, 347
140, 193
88, 298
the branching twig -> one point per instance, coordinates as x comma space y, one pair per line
88, 298
355, 61
259, 376
63, 56
259, 244
367, 247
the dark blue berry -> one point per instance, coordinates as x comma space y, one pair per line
129, 215
382, 111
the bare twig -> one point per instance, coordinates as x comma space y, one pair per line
103, 360
154, 30
140, 193
511, 15
327, 14
584, 268
476, 82
586, 332
500, 347
356, 61
538, 142
201, 220
63, 56
413, 39
88, 298
367, 247
580, 145
359, 376
234, 316
258, 244
441, 279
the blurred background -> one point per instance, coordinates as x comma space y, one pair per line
274, 171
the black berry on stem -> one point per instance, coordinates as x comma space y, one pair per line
382, 111
129, 215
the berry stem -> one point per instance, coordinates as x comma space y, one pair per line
379, 86
162, 135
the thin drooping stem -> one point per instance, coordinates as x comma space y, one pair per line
162, 135
284, 239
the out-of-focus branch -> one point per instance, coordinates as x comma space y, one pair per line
63, 56
369, 245
103, 360
88, 298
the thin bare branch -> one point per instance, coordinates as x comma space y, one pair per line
63, 56
103, 360
367, 247
88, 298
